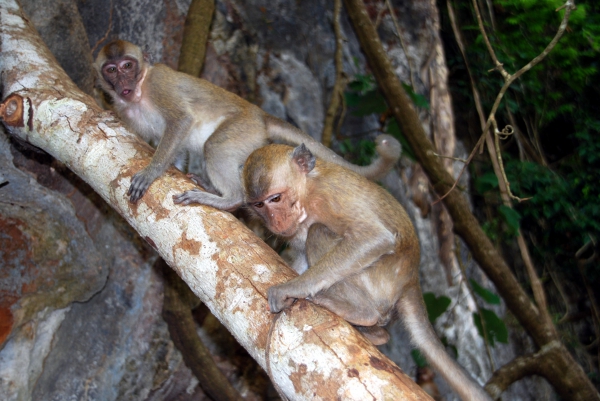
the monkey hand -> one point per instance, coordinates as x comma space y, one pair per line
139, 185
278, 298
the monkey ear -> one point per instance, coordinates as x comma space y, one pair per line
304, 158
147, 57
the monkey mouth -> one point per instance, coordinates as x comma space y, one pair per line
126, 92
288, 231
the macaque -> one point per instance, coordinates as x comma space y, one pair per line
181, 112
359, 250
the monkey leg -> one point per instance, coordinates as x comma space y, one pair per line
202, 182
376, 334
225, 152
225, 181
354, 304
350, 302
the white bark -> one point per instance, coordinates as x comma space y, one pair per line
313, 354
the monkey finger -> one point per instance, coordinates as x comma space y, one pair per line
139, 186
179, 200
278, 300
134, 194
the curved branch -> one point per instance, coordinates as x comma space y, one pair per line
523, 366
312, 351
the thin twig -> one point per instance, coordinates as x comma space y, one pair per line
456, 159
497, 63
506, 132
569, 6
494, 150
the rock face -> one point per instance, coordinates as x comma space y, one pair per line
80, 304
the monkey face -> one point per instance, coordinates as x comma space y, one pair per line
275, 184
282, 213
121, 74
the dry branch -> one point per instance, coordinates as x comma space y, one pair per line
312, 353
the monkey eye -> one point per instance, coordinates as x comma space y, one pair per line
276, 199
127, 66
111, 69
259, 205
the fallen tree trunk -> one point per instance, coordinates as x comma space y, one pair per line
308, 351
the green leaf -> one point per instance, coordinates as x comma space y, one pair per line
495, 327
435, 305
511, 218
486, 182
485, 294
419, 359
366, 103
419, 100
450, 348
393, 129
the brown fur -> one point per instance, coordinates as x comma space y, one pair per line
358, 253
180, 112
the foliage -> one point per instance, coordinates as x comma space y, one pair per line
564, 210
364, 98
360, 153
523, 29
435, 305
419, 359
487, 295
494, 326
556, 107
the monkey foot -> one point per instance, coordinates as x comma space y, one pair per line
376, 334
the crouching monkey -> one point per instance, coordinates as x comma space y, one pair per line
359, 251
181, 112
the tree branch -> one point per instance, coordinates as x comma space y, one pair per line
195, 35
571, 383
312, 351
524, 366
337, 92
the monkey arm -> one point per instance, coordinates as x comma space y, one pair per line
178, 125
359, 249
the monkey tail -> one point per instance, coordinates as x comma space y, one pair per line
387, 147
414, 314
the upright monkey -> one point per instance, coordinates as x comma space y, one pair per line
361, 253
184, 112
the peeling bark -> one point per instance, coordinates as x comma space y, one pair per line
311, 352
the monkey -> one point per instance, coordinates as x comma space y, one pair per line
180, 112
359, 252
